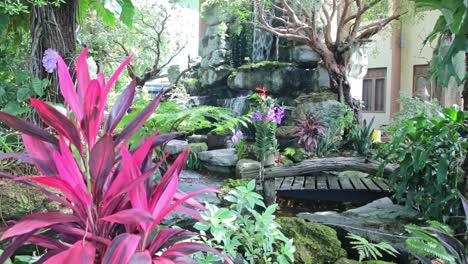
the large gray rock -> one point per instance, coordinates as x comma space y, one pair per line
219, 157
304, 55
214, 75
176, 146
372, 221
323, 78
244, 165
276, 77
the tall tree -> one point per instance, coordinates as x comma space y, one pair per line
313, 22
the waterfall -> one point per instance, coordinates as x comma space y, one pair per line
236, 104
262, 42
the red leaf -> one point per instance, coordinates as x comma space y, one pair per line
68, 89
62, 124
116, 74
141, 258
18, 156
129, 216
138, 120
191, 212
122, 249
36, 221
138, 196
46, 242
165, 235
119, 109
92, 110
40, 153
188, 248
142, 151
9, 250
164, 192
82, 252
101, 161
66, 163
27, 127
82, 73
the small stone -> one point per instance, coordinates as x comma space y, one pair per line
176, 146
198, 147
197, 138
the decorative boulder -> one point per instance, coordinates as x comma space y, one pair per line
219, 157
303, 54
245, 165
278, 78
198, 147
315, 243
215, 75
176, 146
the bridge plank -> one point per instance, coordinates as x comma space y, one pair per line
322, 183
333, 183
346, 184
288, 181
298, 183
279, 182
382, 184
370, 184
358, 184
309, 183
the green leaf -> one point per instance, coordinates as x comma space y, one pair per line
107, 16
128, 12
442, 169
4, 22
83, 6
14, 108
38, 86
23, 94
251, 185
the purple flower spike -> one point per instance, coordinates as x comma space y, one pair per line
257, 116
237, 136
49, 60
275, 114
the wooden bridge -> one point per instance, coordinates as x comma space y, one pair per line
305, 180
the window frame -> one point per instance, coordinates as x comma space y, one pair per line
373, 80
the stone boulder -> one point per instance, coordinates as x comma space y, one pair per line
197, 138
219, 157
315, 243
176, 146
304, 55
244, 165
198, 147
215, 75
278, 78
381, 216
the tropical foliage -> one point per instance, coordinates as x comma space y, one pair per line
429, 153
309, 129
369, 250
115, 206
241, 228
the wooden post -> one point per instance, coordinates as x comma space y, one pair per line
269, 191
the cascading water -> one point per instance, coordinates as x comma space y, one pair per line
262, 42
236, 104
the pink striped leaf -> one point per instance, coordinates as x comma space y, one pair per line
129, 216
101, 161
46, 242
67, 89
138, 196
40, 153
36, 221
82, 74
188, 248
27, 128
82, 252
192, 202
117, 73
119, 109
66, 163
9, 250
167, 235
188, 211
62, 124
122, 249
18, 156
142, 151
138, 120
141, 258
92, 110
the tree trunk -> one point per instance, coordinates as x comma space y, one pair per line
53, 27
339, 83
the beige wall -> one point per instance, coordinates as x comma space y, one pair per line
414, 31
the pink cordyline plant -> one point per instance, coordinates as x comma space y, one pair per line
116, 206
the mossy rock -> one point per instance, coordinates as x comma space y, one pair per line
198, 147
315, 243
17, 200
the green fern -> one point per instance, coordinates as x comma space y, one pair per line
369, 250
265, 140
426, 244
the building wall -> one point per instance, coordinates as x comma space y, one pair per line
413, 33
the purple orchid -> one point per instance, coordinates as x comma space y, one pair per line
275, 114
257, 116
49, 60
237, 136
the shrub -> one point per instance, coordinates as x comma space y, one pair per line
240, 228
429, 153
361, 137
309, 129
115, 206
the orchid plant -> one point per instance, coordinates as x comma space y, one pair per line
115, 206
